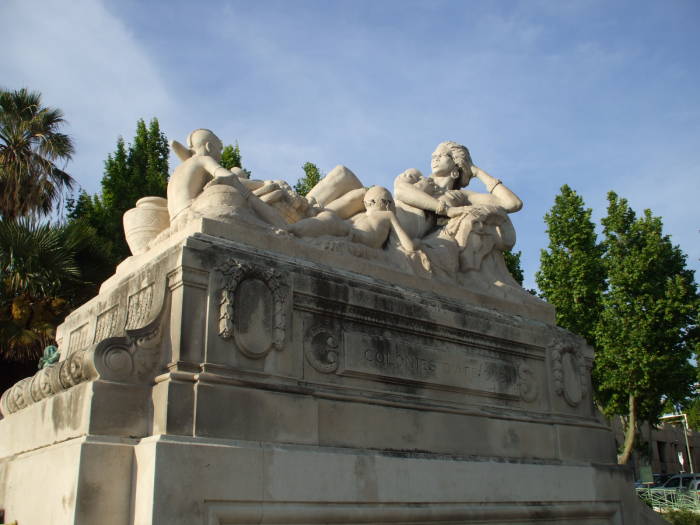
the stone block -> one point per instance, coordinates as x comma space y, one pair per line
232, 382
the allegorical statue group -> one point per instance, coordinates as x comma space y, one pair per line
433, 227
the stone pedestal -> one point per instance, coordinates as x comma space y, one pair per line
226, 382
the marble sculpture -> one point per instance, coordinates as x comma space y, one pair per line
433, 228
347, 356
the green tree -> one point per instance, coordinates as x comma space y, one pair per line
513, 264
692, 409
682, 517
131, 172
31, 146
572, 274
39, 273
137, 171
311, 177
231, 157
646, 332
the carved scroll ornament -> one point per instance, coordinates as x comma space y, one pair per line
132, 358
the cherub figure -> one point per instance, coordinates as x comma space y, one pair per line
371, 228
200, 169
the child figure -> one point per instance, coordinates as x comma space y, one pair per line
200, 169
200, 165
371, 228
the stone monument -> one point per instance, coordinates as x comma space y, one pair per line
343, 357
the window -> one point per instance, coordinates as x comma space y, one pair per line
672, 483
661, 448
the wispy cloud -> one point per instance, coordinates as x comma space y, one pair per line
86, 62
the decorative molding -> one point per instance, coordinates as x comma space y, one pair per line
315, 304
235, 273
188, 276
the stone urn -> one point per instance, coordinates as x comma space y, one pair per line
143, 223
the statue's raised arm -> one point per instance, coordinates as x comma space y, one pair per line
453, 169
463, 232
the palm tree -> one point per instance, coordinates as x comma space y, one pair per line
38, 272
30, 146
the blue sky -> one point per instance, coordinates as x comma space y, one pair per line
600, 95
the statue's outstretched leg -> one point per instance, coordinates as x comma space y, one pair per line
339, 181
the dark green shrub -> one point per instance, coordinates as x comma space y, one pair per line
682, 517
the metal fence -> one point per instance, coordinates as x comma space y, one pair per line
666, 499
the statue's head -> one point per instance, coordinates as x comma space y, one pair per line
205, 142
451, 165
428, 185
378, 198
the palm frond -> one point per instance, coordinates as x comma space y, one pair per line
30, 146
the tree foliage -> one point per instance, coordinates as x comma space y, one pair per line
231, 157
682, 517
131, 172
40, 277
312, 176
31, 148
692, 409
513, 264
571, 274
646, 331
137, 171
630, 296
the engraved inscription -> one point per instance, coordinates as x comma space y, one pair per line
448, 366
106, 324
139, 307
78, 338
409, 363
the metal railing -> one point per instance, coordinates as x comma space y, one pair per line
661, 499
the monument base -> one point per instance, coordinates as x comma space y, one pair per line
221, 383
178, 480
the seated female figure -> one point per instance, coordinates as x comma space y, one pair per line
460, 228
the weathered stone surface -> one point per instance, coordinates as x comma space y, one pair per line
434, 229
229, 382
